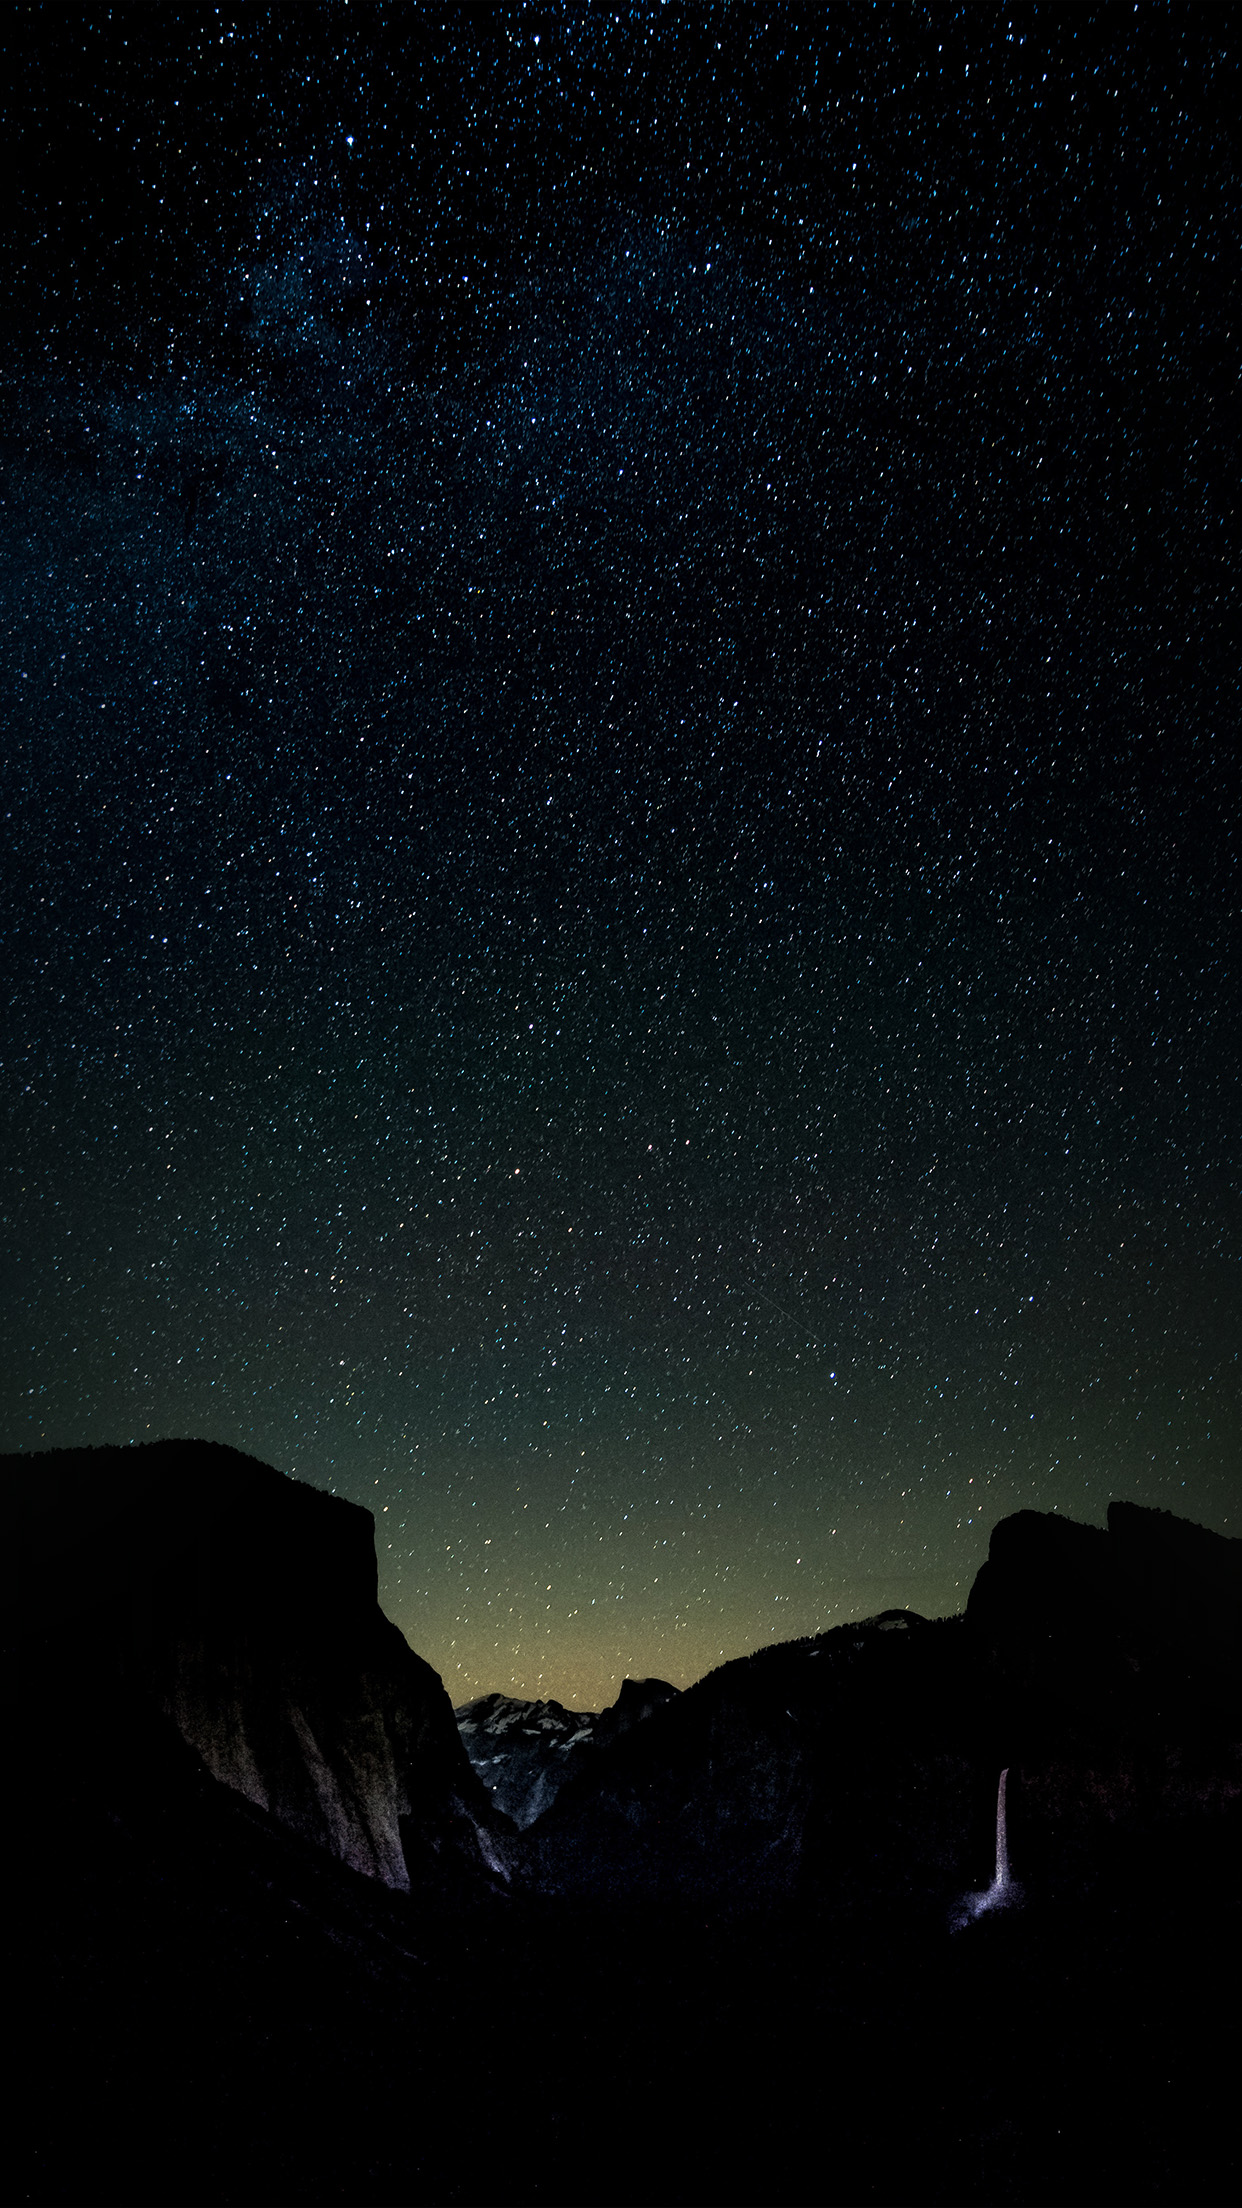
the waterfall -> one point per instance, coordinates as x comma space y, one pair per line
1000, 1884
1004, 1890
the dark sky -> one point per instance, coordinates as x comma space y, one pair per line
621, 696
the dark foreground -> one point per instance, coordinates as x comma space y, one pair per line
210, 2010
720, 1970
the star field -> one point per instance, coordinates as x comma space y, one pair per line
620, 672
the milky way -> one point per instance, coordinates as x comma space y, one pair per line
620, 661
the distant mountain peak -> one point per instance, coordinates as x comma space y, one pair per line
524, 1751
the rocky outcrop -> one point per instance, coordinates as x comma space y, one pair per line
191, 1578
525, 1751
1134, 1633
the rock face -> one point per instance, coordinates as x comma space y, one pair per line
1131, 1634
242, 1604
524, 1751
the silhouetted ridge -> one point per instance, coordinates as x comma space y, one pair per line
772, 1774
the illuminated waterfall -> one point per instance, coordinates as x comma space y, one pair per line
1000, 1884
1004, 1890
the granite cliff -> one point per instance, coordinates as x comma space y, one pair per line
185, 1578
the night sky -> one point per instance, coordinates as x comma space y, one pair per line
620, 672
